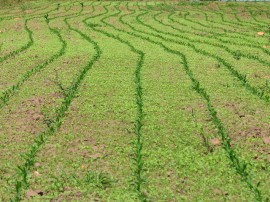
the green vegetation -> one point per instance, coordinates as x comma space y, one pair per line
135, 101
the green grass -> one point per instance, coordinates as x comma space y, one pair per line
121, 101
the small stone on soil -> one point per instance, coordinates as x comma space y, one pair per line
37, 165
36, 173
266, 140
215, 142
30, 193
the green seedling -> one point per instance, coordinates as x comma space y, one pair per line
237, 55
99, 180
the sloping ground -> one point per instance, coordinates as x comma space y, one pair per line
135, 101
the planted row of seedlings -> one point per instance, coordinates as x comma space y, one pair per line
54, 120
66, 9
259, 91
226, 22
221, 14
21, 118
138, 145
30, 38
22, 180
239, 166
214, 34
226, 64
229, 30
23, 48
23, 101
236, 23
239, 22
10, 91
29, 33
243, 21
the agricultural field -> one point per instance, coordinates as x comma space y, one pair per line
135, 101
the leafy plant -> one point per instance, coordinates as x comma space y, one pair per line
46, 17
100, 180
237, 55
202, 132
138, 123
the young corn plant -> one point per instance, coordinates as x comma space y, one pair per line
237, 55
59, 84
47, 17
96, 179
202, 132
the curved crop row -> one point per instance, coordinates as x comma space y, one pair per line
12, 89
223, 19
239, 23
23, 170
27, 45
243, 36
258, 21
23, 48
244, 22
66, 10
138, 123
